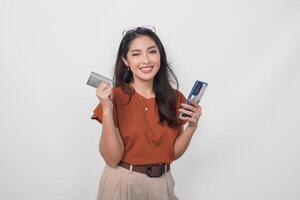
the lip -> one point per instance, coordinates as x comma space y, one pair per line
146, 69
149, 66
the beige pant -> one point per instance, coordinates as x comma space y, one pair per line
118, 183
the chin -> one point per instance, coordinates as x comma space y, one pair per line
147, 76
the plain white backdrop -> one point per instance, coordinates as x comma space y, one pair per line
247, 144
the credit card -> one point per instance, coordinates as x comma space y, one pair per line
95, 80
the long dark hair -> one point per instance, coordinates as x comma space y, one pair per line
165, 95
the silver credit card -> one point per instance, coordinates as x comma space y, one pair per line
95, 80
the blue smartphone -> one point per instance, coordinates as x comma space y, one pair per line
195, 94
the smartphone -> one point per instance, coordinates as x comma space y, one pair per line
95, 80
195, 94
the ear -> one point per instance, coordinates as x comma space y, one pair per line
125, 61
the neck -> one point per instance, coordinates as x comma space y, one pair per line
144, 88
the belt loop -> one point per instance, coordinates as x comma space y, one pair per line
166, 168
130, 168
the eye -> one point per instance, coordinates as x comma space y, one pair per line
153, 51
134, 54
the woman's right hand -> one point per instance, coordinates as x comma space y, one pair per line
105, 95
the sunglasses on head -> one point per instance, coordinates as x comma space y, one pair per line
133, 29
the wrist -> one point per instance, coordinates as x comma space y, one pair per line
107, 111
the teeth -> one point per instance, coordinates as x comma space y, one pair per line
146, 67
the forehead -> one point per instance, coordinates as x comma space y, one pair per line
142, 42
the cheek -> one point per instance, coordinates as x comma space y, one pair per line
156, 58
131, 61
158, 61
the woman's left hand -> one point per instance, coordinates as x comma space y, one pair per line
194, 111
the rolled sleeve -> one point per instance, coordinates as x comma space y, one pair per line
98, 114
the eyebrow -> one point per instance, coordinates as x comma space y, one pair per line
147, 48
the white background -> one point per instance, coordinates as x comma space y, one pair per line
247, 143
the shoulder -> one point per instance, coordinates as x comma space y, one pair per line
121, 91
119, 95
117, 90
179, 95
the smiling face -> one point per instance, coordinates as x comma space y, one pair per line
143, 58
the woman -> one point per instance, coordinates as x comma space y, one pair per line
141, 131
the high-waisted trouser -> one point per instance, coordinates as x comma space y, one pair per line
118, 183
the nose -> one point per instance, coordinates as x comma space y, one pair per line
146, 59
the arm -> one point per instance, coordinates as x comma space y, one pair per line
183, 140
110, 145
185, 135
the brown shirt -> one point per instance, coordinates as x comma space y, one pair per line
146, 141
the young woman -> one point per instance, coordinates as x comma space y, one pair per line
141, 131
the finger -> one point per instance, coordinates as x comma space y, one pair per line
100, 85
189, 107
100, 89
200, 113
193, 120
103, 92
187, 112
194, 103
184, 118
106, 84
199, 110
198, 107
108, 90
103, 85
189, 119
